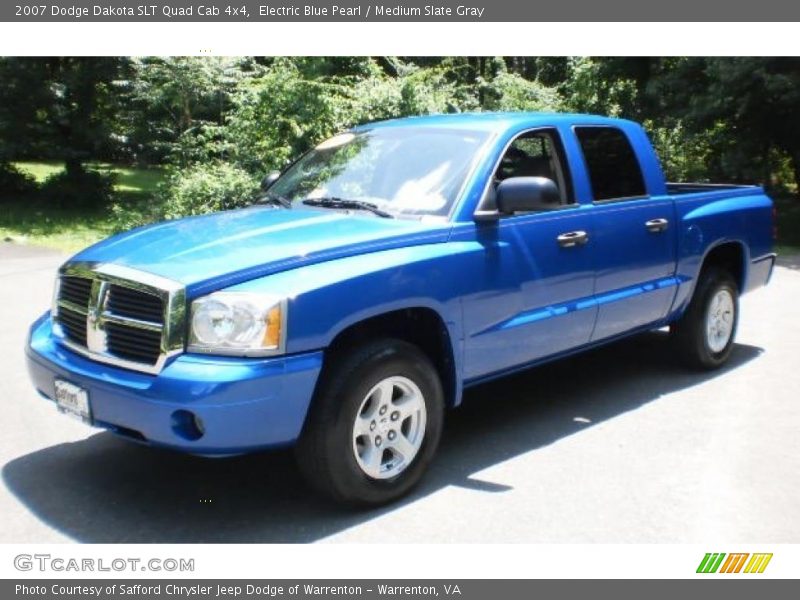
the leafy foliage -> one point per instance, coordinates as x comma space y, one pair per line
176, 103
509, 91
14, 182
206, 188
684, 155
283, 112
222, 123
280, 115
60, 107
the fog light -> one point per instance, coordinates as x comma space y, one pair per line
187, 425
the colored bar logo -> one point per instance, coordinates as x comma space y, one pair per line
714, 562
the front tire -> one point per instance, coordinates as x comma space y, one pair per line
374, 425
704, 335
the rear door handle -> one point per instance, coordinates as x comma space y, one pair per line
657, 225
572, 239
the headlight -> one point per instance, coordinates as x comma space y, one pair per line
238, 323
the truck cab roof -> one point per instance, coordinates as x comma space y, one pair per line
498, 122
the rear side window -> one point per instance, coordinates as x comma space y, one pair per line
614, 170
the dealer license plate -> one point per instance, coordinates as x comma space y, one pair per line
73, 400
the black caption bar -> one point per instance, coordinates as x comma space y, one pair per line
368, 589
406, 10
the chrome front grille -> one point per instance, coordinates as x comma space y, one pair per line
135, 304
75, 290
133, 343
73, 323
119, 315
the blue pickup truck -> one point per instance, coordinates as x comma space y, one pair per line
381, 274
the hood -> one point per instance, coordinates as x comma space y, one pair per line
222, 249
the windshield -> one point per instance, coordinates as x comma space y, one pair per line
409, 170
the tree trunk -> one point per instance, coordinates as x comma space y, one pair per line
74, 167
796, 168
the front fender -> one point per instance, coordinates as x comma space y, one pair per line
326, 298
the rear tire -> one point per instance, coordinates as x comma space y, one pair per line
374, 426
704, 335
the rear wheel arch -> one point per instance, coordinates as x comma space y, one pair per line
730, 256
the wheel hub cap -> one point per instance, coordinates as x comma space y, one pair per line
389, 427
719, 320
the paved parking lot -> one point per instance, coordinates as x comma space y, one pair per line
617, 445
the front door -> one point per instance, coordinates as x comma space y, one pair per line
535, 275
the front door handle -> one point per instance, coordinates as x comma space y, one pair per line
572, 239
657, 225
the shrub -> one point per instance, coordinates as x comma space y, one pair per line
14, 182
206, 188
81, 189
132, 213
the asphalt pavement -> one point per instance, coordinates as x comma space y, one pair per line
620, 444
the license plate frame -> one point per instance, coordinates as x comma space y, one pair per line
73, 400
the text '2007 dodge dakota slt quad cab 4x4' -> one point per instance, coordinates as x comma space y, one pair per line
382, 273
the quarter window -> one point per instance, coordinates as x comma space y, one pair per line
614, 170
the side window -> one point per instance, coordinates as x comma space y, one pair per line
537, 154
614, 170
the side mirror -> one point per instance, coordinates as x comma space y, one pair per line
525, 194
522, 194
269, 180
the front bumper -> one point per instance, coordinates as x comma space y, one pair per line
243, 404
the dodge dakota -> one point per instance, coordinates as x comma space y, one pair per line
382, 273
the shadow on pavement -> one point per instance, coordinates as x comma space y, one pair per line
104, 489
789, 261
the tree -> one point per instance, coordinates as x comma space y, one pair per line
174, 98
737, 115
61, 107
758, 98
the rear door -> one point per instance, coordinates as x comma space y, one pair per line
634, 235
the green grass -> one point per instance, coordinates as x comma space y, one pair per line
64, 230
40, 170
129, 179
69, 230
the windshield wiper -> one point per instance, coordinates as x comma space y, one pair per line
343, 203
275, 200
